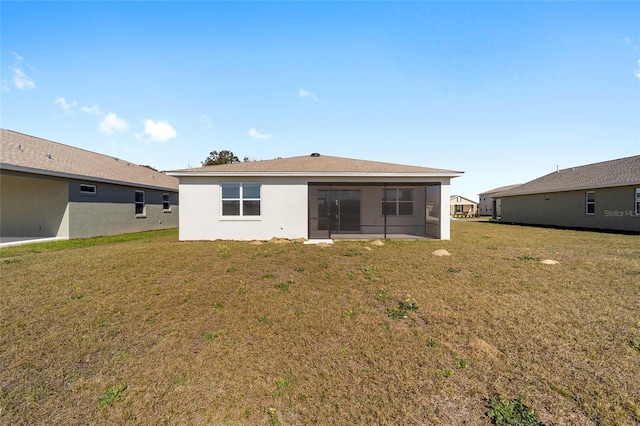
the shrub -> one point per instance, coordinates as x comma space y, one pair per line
512, 412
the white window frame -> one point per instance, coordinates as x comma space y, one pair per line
241, 199
94, 190
166, 202
397, 201
140, 203
588, 203
637, 202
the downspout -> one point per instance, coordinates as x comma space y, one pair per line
329, 210
384, 203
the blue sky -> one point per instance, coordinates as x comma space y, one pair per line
504, 91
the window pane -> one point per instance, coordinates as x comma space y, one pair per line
139, 208
251, 208
250, 190
230, 190
406, 194
231, 208
389, 208
139, 197
591, 197
405, 208
89, 189
591, 208
390, 194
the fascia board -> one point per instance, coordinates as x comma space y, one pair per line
554, 191
51, 173
315, 174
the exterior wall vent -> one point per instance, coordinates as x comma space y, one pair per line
315, 154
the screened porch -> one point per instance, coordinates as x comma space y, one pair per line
374, 210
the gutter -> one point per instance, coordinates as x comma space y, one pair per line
14, 168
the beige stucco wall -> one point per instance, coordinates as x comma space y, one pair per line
614, 209
283, 210
33, 207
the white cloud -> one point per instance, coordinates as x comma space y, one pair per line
21, 80
257, 135
303, 94
91, 109
159, 131
111, 123
66, 106
206, 121
637, 71
72, 107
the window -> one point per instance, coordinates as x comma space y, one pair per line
166, 202
397, 201
88, 189
590, 202
240, 199
638, 201
139, 203
458, 208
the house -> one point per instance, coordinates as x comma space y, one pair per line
463, 207
604, 196
51, 190
313, 197
488, 204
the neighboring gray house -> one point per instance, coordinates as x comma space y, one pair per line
51, 190
313, 197
602, 196
488, 204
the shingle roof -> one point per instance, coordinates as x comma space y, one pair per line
620, 172
20, 152
316, 165
499, 189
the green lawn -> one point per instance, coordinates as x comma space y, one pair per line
144, 329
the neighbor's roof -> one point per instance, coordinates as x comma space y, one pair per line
621, 172
24, 153
500, 189
315, 165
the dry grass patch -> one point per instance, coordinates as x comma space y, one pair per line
153, 331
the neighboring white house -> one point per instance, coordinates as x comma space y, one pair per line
463, 207
313, 197
488, 204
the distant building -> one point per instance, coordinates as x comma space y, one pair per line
486, 204
603, 196
463, 207
51, 190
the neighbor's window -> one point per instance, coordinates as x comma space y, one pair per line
166, 202
88, 189
240, 199
397, 201
458, 208
139, 203
638, 201
590, 199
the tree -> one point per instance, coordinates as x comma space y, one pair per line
222, 157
